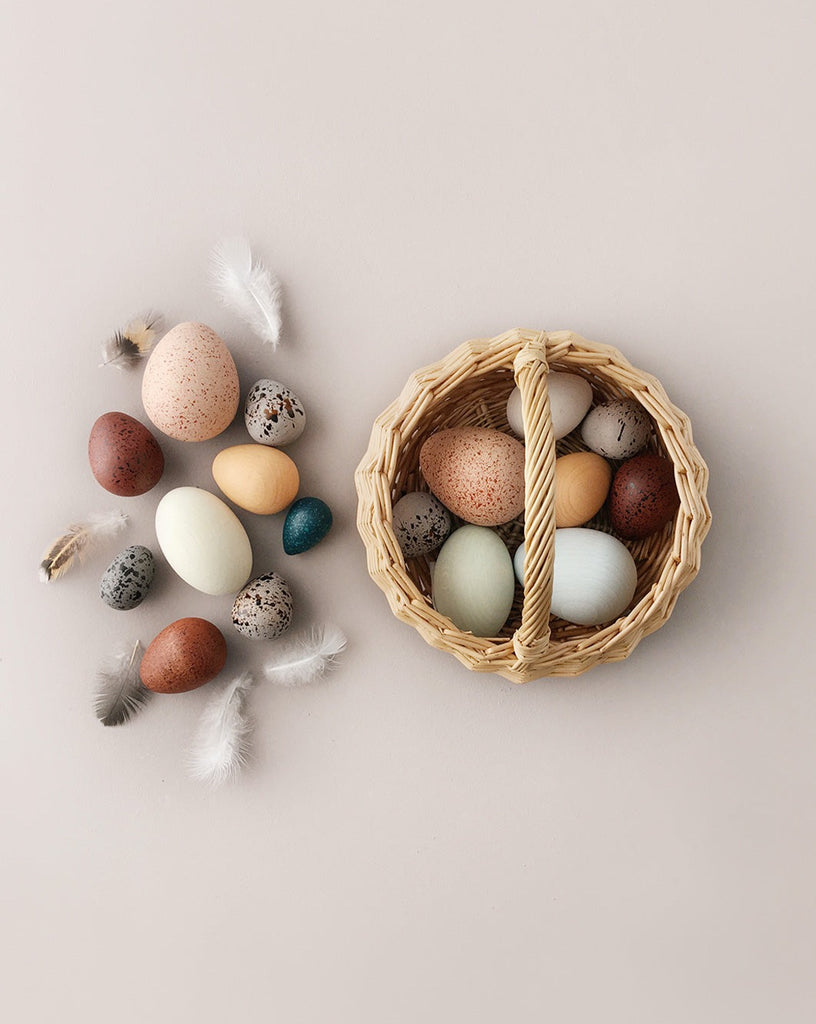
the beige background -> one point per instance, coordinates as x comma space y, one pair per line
414, 842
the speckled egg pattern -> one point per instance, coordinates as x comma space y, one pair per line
185, 655
190, 386
125, 457
617, 430
643, 496
421, 523
476, 472
263, 609
274, 414
127, 579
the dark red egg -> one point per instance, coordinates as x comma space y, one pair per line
643, 496
125, 457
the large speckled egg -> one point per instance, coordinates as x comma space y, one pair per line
125, 457
421, 523
190, 386
643, 496
570, 396
185, 655
617, 430
260, 479
594, 577
203, 540
473, 580
307, 523
263, 609
476, 472
582, 482
127, 579
274, 414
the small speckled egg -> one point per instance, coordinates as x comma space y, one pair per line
617, 430
476, 472
125, 457
582, 482
594, 577
260, 479
203, 540
274, 414
570, 396
473, 580
185, 655
190, 386
307, 523
127, 579
643, 496
421, 523
263, 609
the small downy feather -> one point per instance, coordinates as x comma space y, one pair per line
133, 342
221, 746
67, 550
120, 692
306, 657
245, 286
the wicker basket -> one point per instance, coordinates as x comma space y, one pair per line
470, 388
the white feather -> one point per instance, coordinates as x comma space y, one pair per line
306, 657
248, 288
221, 746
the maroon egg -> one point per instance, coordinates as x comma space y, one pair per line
185, 655
125, 457
643, 496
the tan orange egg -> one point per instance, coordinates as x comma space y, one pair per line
256, 477
582, 482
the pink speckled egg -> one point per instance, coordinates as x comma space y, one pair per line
190, 387
476, 472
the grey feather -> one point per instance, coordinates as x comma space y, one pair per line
120, 692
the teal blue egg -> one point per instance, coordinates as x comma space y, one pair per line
307, 523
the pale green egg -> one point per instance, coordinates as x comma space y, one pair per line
473, 580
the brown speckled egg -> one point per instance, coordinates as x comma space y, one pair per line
643, 496
125, 457
617, 430
185, 655
190, 386
476, 472
581, 485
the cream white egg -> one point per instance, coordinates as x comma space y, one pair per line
570, 398
473, 581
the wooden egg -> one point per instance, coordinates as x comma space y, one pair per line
256, 477
582, 482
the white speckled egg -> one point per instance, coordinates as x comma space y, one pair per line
421, 523
617, 430
594, 577
570, 397
190, 385
273, 414
473, 581
263, 609
203, 540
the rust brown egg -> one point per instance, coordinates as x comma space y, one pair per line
185, 655
643, 496
125, 457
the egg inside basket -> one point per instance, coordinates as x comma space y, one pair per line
470, 387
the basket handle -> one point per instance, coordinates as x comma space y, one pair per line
532, 638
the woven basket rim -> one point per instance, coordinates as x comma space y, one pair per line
529, 354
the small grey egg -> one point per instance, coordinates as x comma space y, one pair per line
421, 523
127, 579
263, 609
273, 414
617, 430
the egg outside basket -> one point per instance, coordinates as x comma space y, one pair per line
470, 387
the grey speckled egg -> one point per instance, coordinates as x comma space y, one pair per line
421, 523
263, 609
127, 579
274, 414
617, 430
